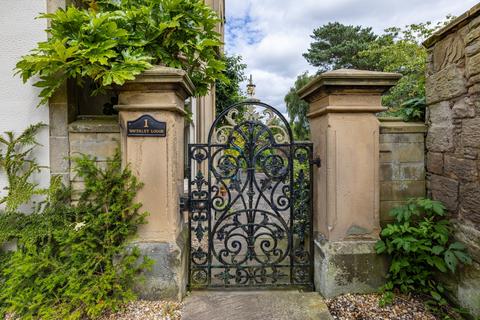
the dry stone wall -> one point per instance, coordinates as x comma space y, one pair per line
453, 139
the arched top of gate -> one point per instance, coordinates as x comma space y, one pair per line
250, 111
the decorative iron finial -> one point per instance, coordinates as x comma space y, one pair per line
251, 88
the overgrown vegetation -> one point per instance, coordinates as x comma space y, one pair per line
419, 243
72, 261
110, 41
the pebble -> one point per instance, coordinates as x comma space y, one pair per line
366, 307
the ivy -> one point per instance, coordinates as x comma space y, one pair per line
110, 42
419, 243
73, 261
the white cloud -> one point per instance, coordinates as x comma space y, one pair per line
271, 35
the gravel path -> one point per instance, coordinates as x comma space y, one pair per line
147, 310
366, 307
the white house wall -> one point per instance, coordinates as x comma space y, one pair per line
20, 32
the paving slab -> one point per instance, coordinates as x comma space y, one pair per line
254, 305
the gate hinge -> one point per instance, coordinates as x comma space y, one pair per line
317, 161
184, 203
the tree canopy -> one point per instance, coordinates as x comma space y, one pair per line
229, 92
297, 108
336, 46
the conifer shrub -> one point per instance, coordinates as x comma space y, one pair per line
73, 261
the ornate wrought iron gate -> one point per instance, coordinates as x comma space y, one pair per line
249, 198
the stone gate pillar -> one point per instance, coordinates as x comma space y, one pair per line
345, 134
156, 98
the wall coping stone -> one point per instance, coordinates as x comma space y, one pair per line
95, 124
456, 24
396, 125
161, 78
348, 80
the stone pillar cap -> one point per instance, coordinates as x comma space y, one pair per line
372, 82
164, 76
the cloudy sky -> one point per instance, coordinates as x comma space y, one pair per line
271, 35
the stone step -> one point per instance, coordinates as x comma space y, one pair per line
254, 305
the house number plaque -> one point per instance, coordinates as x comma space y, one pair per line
146, 126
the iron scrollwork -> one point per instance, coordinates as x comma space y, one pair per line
250, 202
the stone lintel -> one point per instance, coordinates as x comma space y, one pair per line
348, 81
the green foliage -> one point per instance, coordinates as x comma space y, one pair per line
297, 108
419, 243
18, 165
336, 46
73, 261
230, 93
112, 41
401, 50
411, 110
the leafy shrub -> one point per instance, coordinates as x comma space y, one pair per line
73, 261
111, 41
19, 166
420, 244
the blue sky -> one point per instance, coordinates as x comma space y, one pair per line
271, 35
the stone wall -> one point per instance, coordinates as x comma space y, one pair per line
402, 164
453, 139
97, 136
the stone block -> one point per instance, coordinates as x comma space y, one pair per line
348, 267
401, 190
448, 51
472, 35
59, 154
411, 171
435, 162
385, 156
405, 152
470, 202
440, 113
473, 48
99, 145
463, 108
387, 171
445, 84
445, 190
402, 137
460, 169
440, 138
472, 66
471, 132
168, 277
58, 119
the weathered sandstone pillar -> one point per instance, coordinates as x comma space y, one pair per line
156, 158
345, 134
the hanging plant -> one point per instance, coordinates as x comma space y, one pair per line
112, 41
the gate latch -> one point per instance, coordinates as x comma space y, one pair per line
317, 161
184, 203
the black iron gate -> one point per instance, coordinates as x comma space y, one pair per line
249, 197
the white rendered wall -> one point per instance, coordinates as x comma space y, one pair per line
19, 32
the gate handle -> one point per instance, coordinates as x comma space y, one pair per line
184, 203
317, 161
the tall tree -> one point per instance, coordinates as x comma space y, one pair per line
229, 93
297, 108
336, 45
